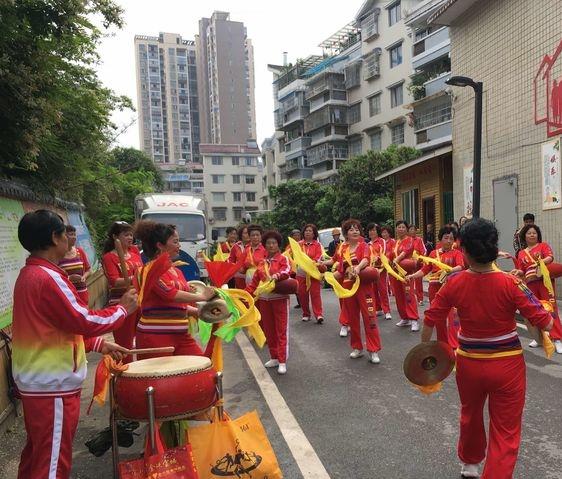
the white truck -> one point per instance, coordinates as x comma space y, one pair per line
188, 214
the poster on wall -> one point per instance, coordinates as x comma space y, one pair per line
12, 255
467, 181
83, 238
551, 177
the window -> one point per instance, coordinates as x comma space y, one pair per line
353, 75
250, 161
375, 138
217, 179
396, 97
219, 197
398, 134
375, 104
236, 179
250, 179
410, 207
237, 214
395, 55
251, 196
235, 161
216, 160
371, 64
354, 113
355, 147
237, 197
370, 26
394, 14
219, 214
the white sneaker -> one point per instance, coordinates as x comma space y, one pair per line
282, 369
388, 316
469, 470
356, 353
415, 326
403, 323
421, 303
558, 346
272, 363
343, 332
374, 358
534, 344
305, 318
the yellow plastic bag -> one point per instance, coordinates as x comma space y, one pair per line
234, 448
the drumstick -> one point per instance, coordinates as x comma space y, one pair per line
165, 349
122, 263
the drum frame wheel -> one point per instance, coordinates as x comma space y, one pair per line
113, 417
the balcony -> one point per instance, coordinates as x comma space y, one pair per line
433, 124
326, 152
296, 114
436, 85
433, 115
330, 97
327, 81
336, 115
278, 119
297, 145
293, 101
431, 47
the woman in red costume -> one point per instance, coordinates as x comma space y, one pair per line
76, 265
490, 364
237, 254
353, 257
378, 247
231, 239
254, 252
123, 231
273, 307
403, 292
446, 331
419, 247
313, 249
167, 300
388, 235
528, 267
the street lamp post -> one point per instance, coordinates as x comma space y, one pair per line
477, 153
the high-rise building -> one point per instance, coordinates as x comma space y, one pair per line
168, 103
225, 60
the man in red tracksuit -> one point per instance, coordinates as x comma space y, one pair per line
273, 307
313, 249
49, 350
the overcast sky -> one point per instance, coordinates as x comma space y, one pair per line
294, 26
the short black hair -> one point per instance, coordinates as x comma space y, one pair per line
479, 238
374, 226
524, 230
272, 234
151, 233
402, 222
447, 230
314, 230
70, 229
230, 229
528, 216
255, 228
36, 229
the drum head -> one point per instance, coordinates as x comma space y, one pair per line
199, 286
166, 366
213, 311
429, 363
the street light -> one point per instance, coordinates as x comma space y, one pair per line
477, 166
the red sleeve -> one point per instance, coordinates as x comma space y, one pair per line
365, 251
546, 250
317, 251
67, 312
459, 259
94, 344
164, 290
407, 247
110, 264
427, 268
441, 304
528, 305
84, 258
232, 257
420, 247
255, 282
284, 269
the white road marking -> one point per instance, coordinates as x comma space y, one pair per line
305, 456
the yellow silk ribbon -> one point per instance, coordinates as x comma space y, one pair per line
428, 260
546, 277
547, 345
339, 290
219, 255
305, 262
387, 266
249, 315
265, 287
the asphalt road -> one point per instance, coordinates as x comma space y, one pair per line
363, 421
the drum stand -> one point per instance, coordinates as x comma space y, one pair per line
113, 417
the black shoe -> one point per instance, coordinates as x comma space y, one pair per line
102, 441
298, 306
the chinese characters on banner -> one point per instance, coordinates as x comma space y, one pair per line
551, 177
467, 182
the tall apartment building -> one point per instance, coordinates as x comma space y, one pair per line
233, 182
168, 104
225, 61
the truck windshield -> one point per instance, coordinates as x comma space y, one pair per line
188, 226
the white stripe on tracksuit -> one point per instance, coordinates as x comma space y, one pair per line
57, 436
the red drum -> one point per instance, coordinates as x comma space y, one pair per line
287, 286
183, 386
409, 265
555, 270
369, 275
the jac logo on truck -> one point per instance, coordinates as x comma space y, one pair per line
170, 204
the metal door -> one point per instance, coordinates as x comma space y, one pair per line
505, 214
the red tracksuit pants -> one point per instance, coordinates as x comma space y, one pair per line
362, 304
310, 296
405, 300
275, 325
447, 331
50, 423
183, 342
503, 383
539, 290
418, 286
381, 293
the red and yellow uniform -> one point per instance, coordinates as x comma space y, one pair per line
378, 247
404, 294
527, 261
235, 256
252, 258
490, 363
446, 331
273, 307
362, 303
313, 250
342, 317
125, 335
419, 247
50, 321
164, 322
226, 247
79, 265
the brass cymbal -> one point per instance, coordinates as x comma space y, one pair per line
213, 311
198, 286
429, 363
